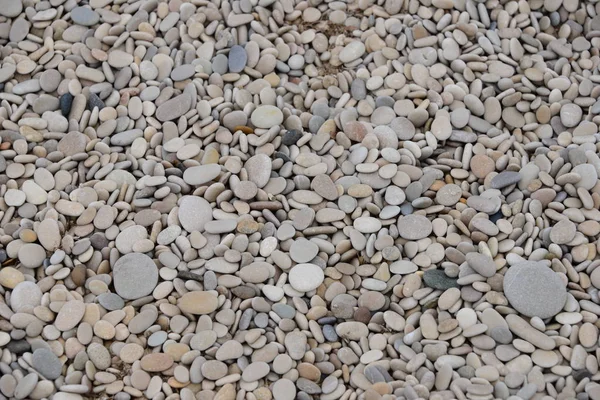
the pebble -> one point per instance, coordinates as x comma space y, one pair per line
70, 315
198, 302
414, 227
534, 290
306, 277
266, 116
194, 213
237, 59
275, 200
128, 272
84, 16
46, 363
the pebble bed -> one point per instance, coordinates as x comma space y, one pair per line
290, 199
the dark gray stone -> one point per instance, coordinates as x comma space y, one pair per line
66, 101
437, 279
504, 179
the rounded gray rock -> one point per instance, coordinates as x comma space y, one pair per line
135, 275
46, 363
194, 213
534, 290
414, 227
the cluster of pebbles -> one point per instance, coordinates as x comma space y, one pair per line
291, 199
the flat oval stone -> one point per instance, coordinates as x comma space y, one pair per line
534, 290
201, 174
84, 16
194, 213
259, 169
437, 279
135, 275
10, 8
414, 227
504, 179
563, 232
69, 315
266, 116
111, 301
174, 108
352, 51
481, 263
46, 363
352, 330
403, 267
198, 303
306, 277
367, 224
156, 362
237, 58
25, 294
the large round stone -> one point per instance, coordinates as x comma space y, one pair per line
266, 117
194, 213
306, 277
534, 290
135, 275
414, 227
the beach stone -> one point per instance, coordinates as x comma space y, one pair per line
589, 176
563, 232
291, 137
99, 356
156, 362
31, 255
403, 267
266, 116
10, 277
10, 9
84, 16
201, 174
437, 279
25, 294
259, 169
504, 179
127, 274
69, 315
119, 58
448, 195
481, 263
284, 389
237, 58
354, 50
198, 303
570, 115
46, 363
194, 213
26, 386
111, 301
302, 250
285, 200
230, 350
174, 108
414, 227
295, 343
306, 277
534, 290
183, 72
482, 165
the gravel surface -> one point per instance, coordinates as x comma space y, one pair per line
280, 200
